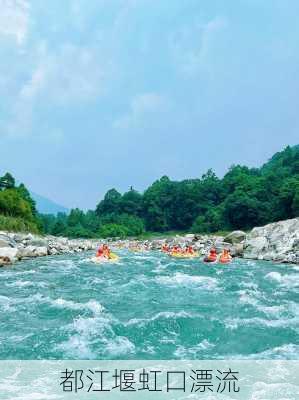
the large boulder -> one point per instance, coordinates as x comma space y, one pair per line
235, 237
237, 250
8, 255
41, 251
38, 242
278, 241
19, 237
26, 252
32, 251
6, 241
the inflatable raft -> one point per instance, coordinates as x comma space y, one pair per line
182, 255
100, 260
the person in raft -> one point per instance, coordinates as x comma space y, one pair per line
100, 252
225, 257
165, 248
176, 249
103, 251
212, 257
106, 251
189, 250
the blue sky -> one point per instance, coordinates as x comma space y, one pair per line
112, 93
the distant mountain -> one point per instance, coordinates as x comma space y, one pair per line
47, 206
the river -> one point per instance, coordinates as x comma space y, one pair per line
148, 306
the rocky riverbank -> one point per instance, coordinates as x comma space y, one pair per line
17, 246
278, 242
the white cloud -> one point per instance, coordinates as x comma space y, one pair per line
70, 74
194, 45
142, 106
14, 19
64, 77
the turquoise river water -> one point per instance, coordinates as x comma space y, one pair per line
148, 306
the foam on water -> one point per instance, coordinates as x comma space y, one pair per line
249, 285
21, 284
94, 281
248, 297
235, 323
119, 346
159, 316
63, 265
83, 331
76, 347
86, 334
285, 352
286, 280
148, 306
6, 304
186, 353
180, 279
4, 274
91, 305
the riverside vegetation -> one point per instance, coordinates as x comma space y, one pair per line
243, 198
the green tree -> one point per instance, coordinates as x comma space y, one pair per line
287, 197
92, 221
47, 222
157, 201
59, 229
134, 225
24, 192
76, 217
12, 204
110, 204
242, 211
112, 231
131, 203
7, 181
295, 205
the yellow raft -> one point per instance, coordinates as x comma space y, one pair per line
183, 255
99, 260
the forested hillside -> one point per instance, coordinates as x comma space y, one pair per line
17, 208
243, 198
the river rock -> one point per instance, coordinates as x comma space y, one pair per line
6, 241
38, 242
219, 246
27, 245
26, 252
32, 251
18, 237
8, 255
41, 251
53, 251
190, 236
235, 237
278, 241
237, 250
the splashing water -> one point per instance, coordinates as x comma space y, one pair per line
148, 307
